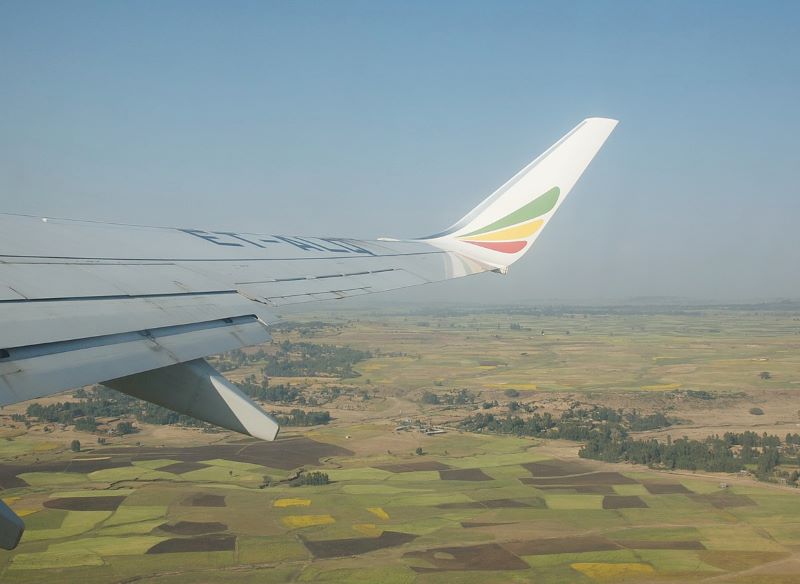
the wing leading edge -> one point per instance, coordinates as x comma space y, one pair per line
137, 308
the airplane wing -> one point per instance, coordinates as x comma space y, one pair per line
137, 308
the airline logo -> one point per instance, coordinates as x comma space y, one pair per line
511, 233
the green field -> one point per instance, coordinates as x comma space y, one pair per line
469, 508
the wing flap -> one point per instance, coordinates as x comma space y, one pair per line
35, 323
39, 370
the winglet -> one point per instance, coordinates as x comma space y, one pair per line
503, 227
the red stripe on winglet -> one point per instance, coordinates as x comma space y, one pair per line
501, 246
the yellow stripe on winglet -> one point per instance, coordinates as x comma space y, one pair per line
521, 231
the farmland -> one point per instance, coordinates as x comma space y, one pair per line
171, 504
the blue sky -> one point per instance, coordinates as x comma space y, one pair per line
374, 118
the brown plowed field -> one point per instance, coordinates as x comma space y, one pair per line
561, 545
204, 500
556, 468
182, 467
336, 548
464, 474
85, 503
623, 502
203, 543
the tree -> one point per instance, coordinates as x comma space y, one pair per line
315, 478
429, 397
765, 375
75, 446
768, 461
419, 451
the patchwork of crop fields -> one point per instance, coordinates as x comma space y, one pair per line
191, 508
494, 509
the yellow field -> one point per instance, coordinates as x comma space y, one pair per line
379, 513
291, 503
298, 521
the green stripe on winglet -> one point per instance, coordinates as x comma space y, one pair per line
539, 206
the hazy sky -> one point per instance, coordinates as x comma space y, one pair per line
376, 118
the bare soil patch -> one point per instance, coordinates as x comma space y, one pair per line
204, 500
490, 556
336, 548
594, 478
723, 499
193, 527
414, 466
85, 503
203, 543
649, 544
557, 468
464, 474
561, 545
666, 488
182, 467
623, 502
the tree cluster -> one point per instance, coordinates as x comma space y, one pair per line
298, 417
312, 360
605, 434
